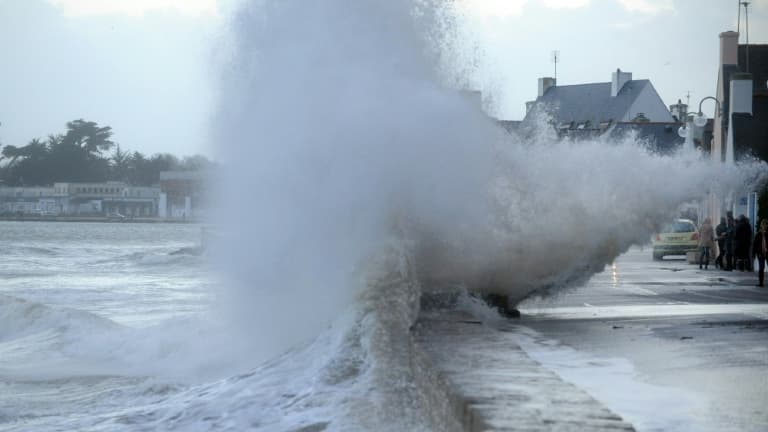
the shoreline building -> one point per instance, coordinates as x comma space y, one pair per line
612, 110
598, 105
740, 120
179, 195
80, 199
107, 198
38, 200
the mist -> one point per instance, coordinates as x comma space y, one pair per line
346, 137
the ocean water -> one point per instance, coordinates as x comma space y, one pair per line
79, 305
117, 327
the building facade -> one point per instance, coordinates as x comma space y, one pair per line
740, 126
598, 105
81, 199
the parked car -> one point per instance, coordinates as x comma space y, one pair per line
115, 216
678, 238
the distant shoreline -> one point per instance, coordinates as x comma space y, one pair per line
101, 219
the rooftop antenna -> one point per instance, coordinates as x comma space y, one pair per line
738, 17
555, 60
746, 22
688, 98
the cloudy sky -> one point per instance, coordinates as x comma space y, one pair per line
146, 67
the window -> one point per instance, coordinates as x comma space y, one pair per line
679, 227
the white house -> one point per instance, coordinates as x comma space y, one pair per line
598, 105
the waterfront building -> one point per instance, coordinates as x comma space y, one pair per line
37, 200
81, 199
741, 119
598, 105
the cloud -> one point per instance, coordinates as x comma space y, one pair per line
493, 8
647, 6
566, 4
134, 7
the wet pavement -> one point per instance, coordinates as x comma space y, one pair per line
493, 385
645, 345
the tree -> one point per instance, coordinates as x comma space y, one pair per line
77, 156
27, 164
89, 136
195, 163
120, 164
139, 169
72, 156
12, 153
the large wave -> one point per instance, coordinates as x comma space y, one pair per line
341, 133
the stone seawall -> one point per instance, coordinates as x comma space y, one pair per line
491, 384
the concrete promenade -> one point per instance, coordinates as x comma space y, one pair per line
495, 386
692, 346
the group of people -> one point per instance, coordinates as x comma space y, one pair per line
737, 249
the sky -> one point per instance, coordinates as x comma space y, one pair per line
147, 68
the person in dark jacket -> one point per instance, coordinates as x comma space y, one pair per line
748, 261
760, 251
720, 232
742, 239
729, 234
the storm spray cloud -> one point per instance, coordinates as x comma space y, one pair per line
336, 125
341, 136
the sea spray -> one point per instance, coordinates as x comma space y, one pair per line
339, 129
337, 126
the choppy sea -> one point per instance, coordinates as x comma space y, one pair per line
110, 327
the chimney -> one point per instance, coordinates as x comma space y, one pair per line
679, 110
618, 79
729, 48
545, 83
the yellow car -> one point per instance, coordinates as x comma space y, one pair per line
677, 238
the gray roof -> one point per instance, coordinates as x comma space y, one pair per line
589, 102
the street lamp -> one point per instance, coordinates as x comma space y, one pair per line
699, 120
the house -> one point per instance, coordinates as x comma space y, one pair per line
751, 131
609, 110
741, 122
598, 105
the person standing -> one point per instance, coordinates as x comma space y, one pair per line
729, 234
760, 251
720, 232
741, 241
706, 242
748, 261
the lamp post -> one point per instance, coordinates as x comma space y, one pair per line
699, 120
